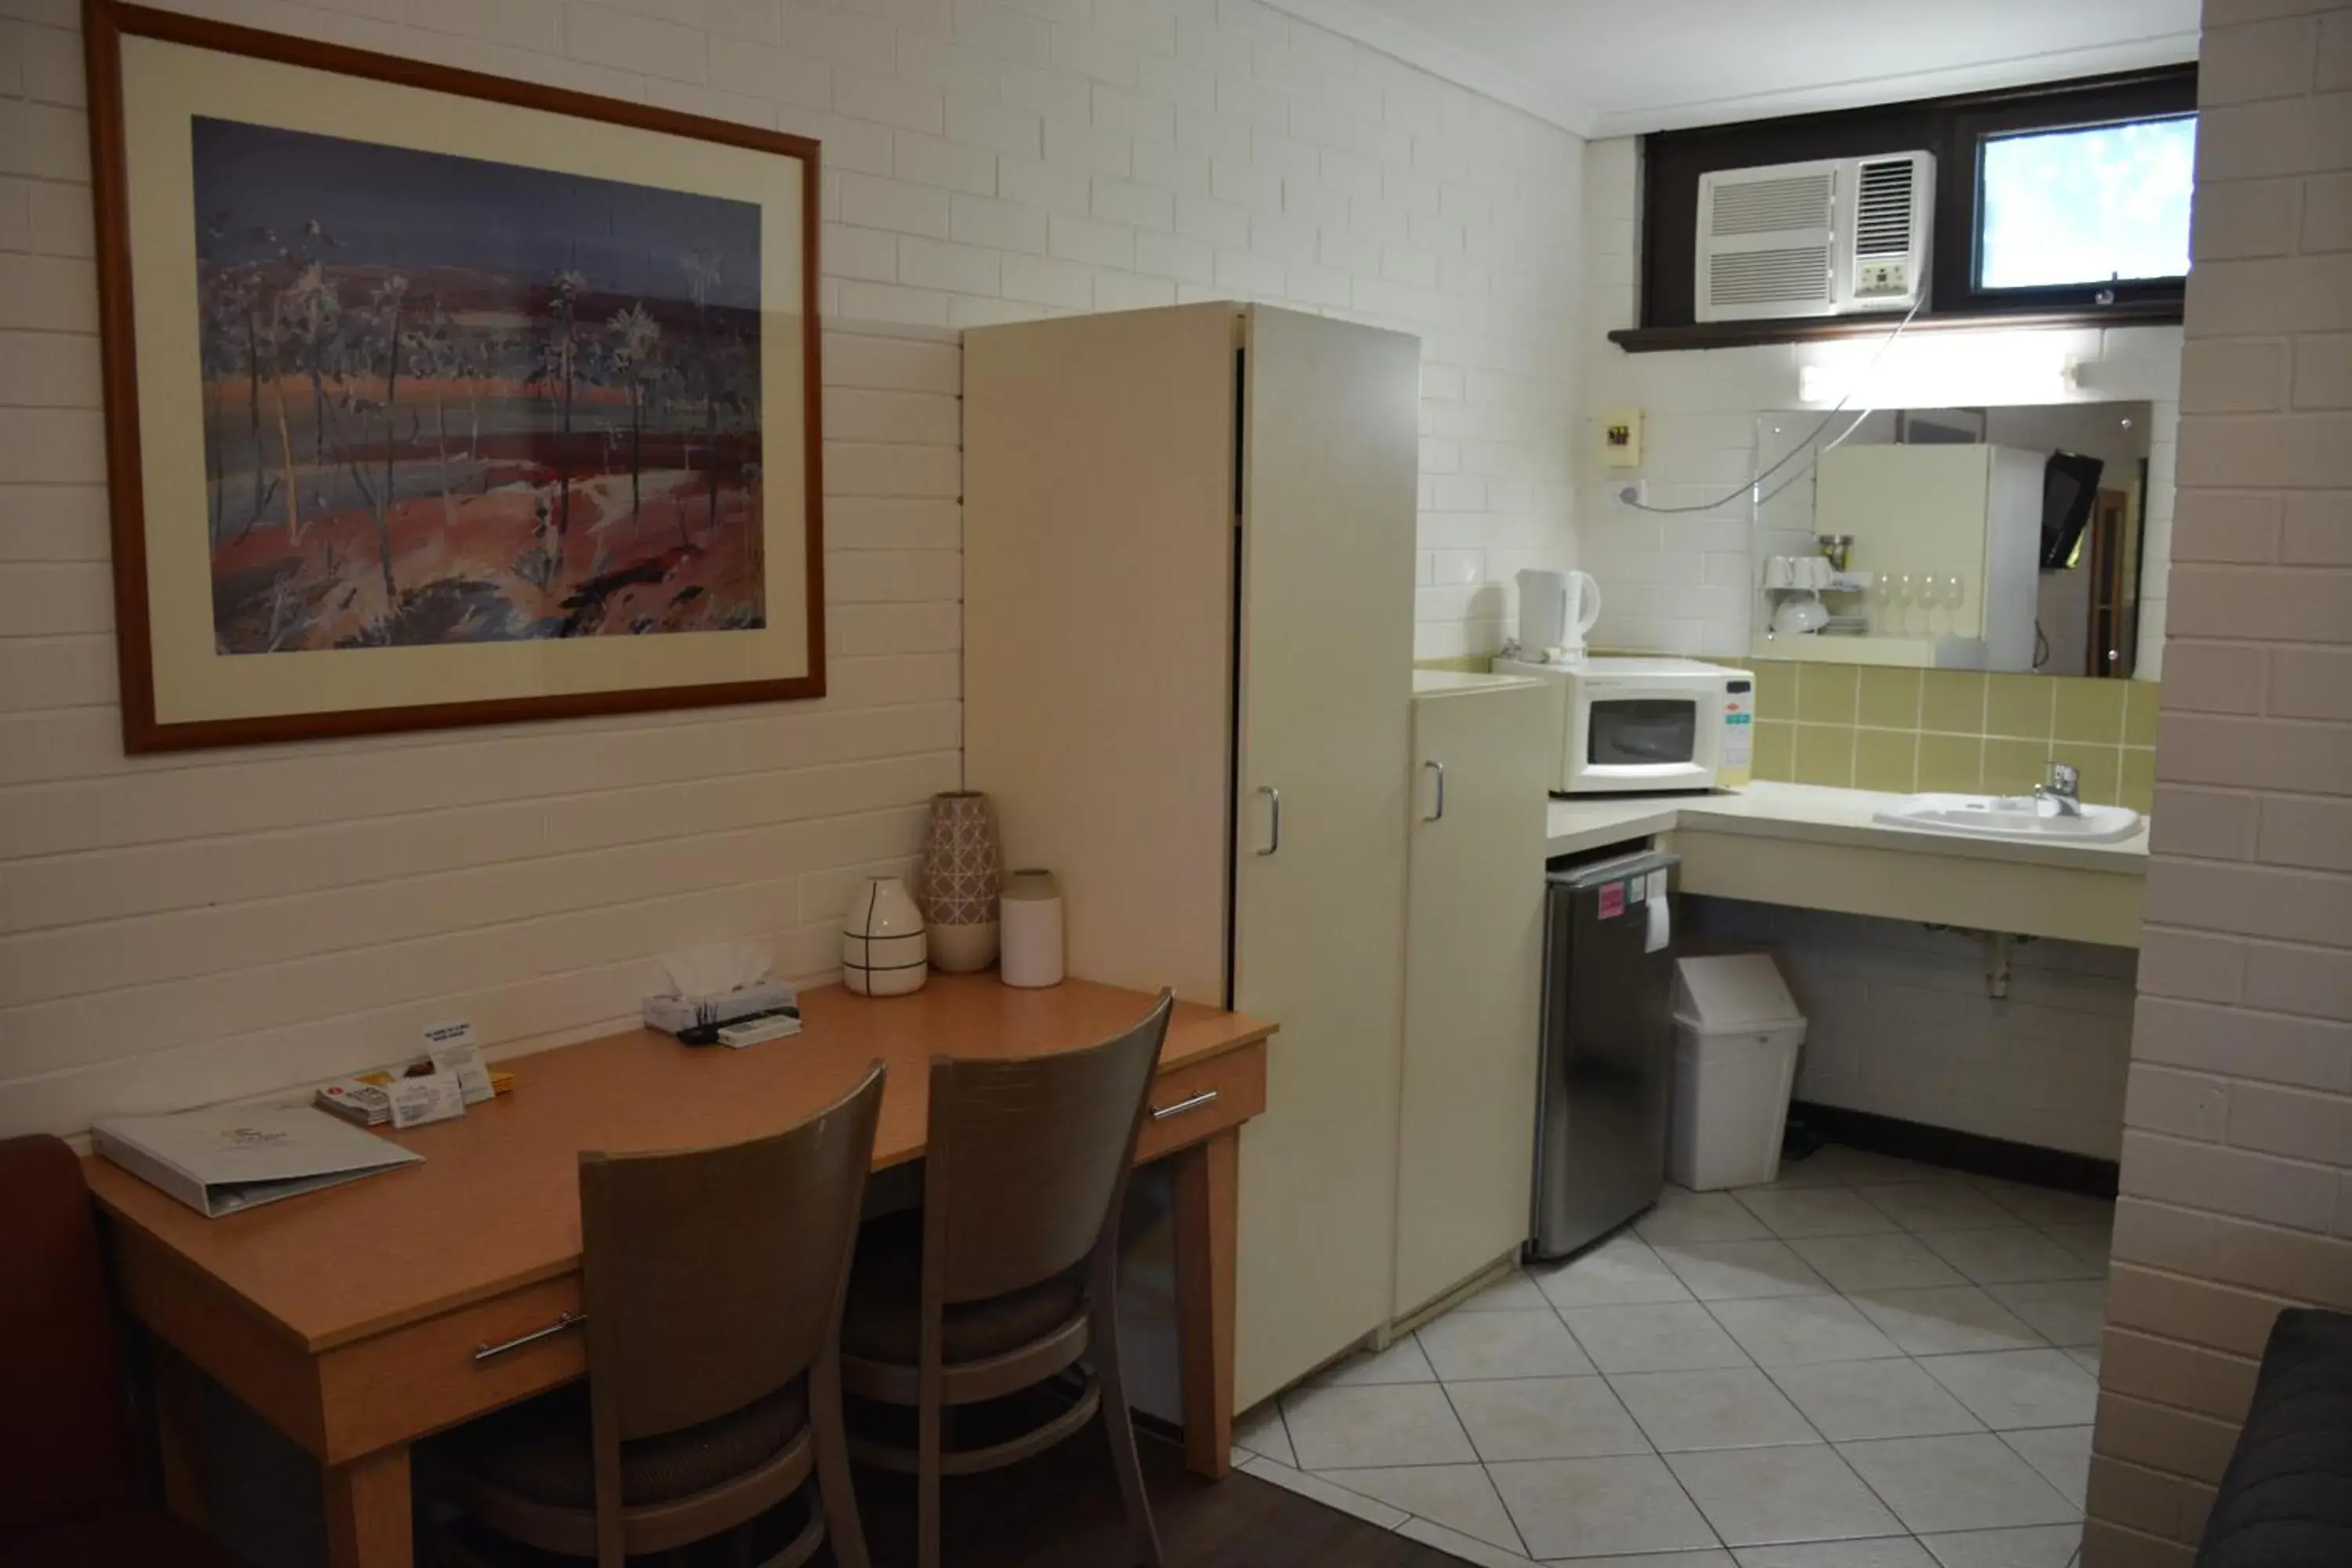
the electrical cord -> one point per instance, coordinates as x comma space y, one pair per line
1627, 494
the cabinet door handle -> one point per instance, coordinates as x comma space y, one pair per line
1274, 840
1438, 768
491, 1353
1162, 1113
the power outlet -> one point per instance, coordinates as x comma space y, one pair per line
1635, 493
1620, 437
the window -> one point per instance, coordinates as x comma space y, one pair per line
2095, 204
2069, 200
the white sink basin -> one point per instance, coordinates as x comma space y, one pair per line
2018, 816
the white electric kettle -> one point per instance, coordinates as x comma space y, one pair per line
1555, 610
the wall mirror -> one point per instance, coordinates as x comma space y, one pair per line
2005, 538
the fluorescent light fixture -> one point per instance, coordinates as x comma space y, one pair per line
1943, 372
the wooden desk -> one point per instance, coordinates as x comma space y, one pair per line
349, 1318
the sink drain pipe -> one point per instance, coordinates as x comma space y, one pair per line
1997, 946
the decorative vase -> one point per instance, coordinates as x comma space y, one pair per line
961, 871
1032, 928
882, 948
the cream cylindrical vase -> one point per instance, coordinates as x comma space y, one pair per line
1032, 928
961, 869
883, 952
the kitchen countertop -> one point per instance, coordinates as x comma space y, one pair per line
1817, 812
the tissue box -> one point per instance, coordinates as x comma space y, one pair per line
671, 1014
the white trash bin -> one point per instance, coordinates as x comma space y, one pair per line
1736, 1038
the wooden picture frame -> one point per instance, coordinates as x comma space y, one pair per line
575, 576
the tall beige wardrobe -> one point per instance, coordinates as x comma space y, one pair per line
1188, 647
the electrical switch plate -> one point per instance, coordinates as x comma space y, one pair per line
1620, 437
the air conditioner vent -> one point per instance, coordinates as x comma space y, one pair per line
1836, 236
1771, 277
1881, 225
1768, 206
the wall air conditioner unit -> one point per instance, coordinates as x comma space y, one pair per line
1839, 238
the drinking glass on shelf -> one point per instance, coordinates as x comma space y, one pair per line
1931, 601
1906, 593
1882, 604
1956, 593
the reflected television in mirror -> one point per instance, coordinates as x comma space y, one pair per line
2008, 537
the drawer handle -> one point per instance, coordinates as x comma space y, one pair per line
491, 1353
1162, 1114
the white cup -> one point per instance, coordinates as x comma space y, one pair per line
1779, 572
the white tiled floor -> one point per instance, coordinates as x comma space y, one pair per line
1868, 1363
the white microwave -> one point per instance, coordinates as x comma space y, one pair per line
1627, 725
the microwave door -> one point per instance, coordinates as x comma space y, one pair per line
1642, 731
1637, 742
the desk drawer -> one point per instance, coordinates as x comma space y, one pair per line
421, 1378
1193, 1101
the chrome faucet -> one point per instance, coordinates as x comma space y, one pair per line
2063, 788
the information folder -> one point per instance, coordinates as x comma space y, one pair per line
226, 1158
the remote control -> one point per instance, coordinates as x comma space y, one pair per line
752, 1031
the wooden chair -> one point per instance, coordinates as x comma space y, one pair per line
1007, 1276
712, 1280
69, 1493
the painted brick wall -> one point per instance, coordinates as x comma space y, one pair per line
1685, 584
187, 929
2237, 1164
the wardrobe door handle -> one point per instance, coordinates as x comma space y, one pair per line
1439, 768
1273, 841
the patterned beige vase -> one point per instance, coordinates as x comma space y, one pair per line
962, 871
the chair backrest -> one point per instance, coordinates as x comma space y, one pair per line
1027, 1159
713, 1276
65, 1443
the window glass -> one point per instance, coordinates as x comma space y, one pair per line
2087, 205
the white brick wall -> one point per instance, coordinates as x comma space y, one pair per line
182, 928
2237, 1167
1682, 584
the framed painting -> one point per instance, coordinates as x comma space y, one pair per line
436, 399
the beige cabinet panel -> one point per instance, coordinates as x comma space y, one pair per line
1332, 413
1098, 562
1473, 971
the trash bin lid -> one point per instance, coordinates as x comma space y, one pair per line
1731, 991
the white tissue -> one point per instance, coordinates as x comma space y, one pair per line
716, 968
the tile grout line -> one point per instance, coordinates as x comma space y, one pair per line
2013, 1220
1518, 1533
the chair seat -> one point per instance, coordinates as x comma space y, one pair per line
883, 1320
539, 1449
143, 1539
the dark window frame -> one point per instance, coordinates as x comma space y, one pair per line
1953, 129
1959, 202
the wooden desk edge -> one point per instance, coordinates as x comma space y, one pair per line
107, 1182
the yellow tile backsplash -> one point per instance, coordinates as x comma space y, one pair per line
2021, 705
1952, 701
1950, 764
1890, 700
1906, 730
1903, 731
1886, 760
2092, 710
1825, 693
1825, 754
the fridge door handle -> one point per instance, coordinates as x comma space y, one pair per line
1438, 814
1274, 826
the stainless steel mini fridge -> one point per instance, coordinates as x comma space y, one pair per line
1607, 1081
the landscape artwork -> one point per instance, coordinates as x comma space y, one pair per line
454, 400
